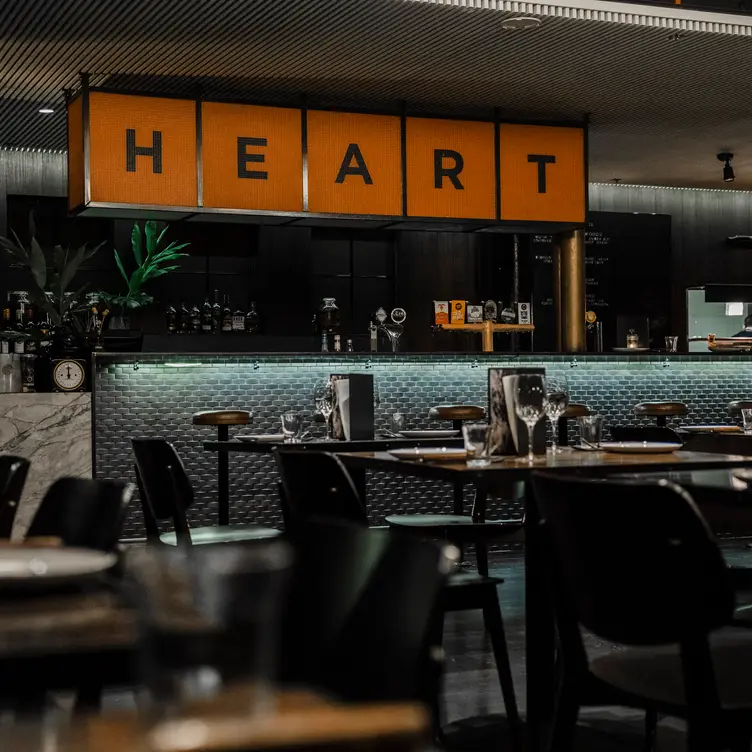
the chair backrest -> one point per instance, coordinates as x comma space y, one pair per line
83, 512
644, 433
166, 484
359, 612
317, 485
636, 561
13, 471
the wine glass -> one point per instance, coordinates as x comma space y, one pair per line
557, 396
323, 399
530, 405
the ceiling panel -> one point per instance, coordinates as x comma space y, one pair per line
665, 89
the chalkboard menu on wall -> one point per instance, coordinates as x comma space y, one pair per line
628, 273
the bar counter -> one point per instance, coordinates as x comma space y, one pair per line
155, 395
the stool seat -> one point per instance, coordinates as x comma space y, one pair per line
736, 407
222, 418
575, 410
457, 412
661, 408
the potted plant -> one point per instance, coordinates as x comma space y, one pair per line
152, 263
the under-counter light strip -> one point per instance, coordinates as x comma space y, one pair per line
670, 187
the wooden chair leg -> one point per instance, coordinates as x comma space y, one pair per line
495, 627
481, 557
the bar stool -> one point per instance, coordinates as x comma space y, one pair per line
736, 406
661, 410
458, 414
223, 419
574, 410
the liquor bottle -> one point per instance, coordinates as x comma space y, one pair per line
238, 321
185, 319
5, 346
216, 313
252, 320
195, 319
171, 317
337, 343
206, 316
226, 315
350, 347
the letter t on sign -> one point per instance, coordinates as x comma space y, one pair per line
542, 160
132, 151
244, 158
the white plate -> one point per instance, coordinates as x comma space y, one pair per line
711, 429
440, 434
24, 565
631, 349
437, 454
260, 437
639, 447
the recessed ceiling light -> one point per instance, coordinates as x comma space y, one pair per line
46, 111
520, 23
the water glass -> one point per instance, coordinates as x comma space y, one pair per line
477, 444
671, 344
530, 404
747, 419
208, 619
557, 401
292, 427
396, 422
591, 429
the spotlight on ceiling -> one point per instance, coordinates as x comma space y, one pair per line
46, 111
520, 23
728, 170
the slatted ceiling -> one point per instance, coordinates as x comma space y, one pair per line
660, 109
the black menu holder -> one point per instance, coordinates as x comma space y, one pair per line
508, 433
360, 406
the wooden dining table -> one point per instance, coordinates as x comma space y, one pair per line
297, 720
540, 642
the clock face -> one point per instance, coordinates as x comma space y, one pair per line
68, 375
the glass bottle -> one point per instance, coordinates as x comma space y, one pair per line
238, 320
216, 314
195, 319
252, 320
327, 316
185, 319
206, 316
226, 315
171, 318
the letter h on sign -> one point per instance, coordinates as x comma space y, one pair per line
132, 151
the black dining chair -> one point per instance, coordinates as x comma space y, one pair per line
13, 472
167, 494
317, 485
359, 613
83, 512
660, 589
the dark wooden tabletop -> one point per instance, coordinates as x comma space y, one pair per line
518, 468
320, 445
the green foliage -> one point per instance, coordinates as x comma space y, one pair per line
154, 263
50, 276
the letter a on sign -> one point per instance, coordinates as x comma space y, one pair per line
354, 163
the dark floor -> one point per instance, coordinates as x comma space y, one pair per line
472, 688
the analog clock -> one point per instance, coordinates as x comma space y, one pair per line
68, 375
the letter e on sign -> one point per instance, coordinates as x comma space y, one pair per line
354, 163
542, 173
450, 169
142, 150
252, 157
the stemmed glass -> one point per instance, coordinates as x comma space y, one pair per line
323, 399
557, 396
530, 405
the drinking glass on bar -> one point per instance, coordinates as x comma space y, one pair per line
591, 430
208, 620
292, 427
671, 343
557, 396
477, 444
323, 398
530, 405
747, 421
396, 423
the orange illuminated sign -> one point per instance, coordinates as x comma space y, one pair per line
156, 152
354, 164
450, 169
